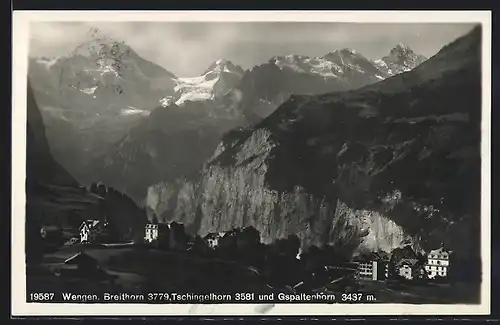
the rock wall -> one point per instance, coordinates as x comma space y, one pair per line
234, 196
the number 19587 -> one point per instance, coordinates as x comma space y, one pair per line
42, 296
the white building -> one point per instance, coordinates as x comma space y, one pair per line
89, 230
151, 232
155, 231
212, 239
438, 263
374, 270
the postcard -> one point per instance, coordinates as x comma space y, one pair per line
276, 163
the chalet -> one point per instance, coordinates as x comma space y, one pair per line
408, 268
212, 239
438, 263
374, 267
89, 230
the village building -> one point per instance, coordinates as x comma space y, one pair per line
212, 239
438, 263
409, 268
373, 270
156, 232
89, 230
374, 267
167, 235
151, 232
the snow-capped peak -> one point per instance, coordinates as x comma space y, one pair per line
305, 64
220, 77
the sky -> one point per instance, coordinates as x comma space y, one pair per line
188, 48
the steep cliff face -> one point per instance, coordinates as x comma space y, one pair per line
238, 196
389, 164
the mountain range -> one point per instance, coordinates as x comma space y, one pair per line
112, 116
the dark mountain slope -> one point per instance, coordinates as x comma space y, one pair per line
40, 165
172, 142
55, 199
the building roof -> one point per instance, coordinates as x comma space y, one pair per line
372, 256
157, 225
215, 235
211, 236
382, 255
90, 223
408, 261
439, 252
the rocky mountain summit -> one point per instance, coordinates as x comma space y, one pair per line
400, 59
90, 98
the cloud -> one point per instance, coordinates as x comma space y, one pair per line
187, 48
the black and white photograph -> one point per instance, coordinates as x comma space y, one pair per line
203, 162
